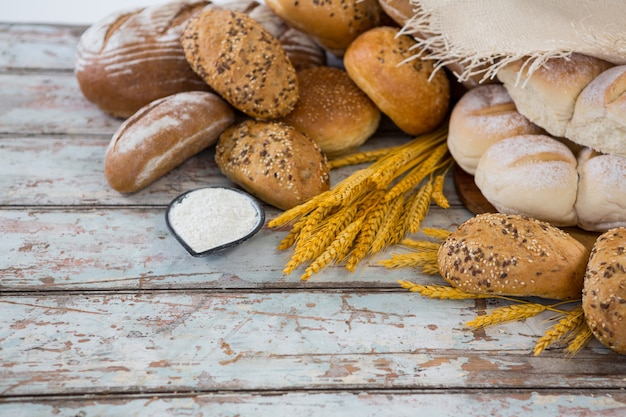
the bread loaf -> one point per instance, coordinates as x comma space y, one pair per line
162, 135
242, 61
513, 255
404, 88
482, 117
333, 111
533, 175
130, 58
273, 161
604, 293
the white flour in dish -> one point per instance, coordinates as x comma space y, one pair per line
211, 217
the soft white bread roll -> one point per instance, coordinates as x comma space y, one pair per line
548, 97
482, 117
601, 201
532, 175
599, 119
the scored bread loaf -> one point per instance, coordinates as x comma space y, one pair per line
513, 255
162, 135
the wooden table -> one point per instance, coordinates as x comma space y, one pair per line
102, 312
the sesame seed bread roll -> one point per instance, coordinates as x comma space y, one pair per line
273, 161
333, 111
548, 97
483, 116
599, 119
532, 175
404, 91
333, 24
604, 292
241, 61
513, 255
162, 135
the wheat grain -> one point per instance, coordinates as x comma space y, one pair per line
565, 325
439, 291
507, 313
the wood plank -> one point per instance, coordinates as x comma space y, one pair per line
549, 403
131, 249
197, 341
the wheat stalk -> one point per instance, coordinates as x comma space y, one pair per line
572, 320
393, 214
419, 208
581, 337
438, 196
507, 313
443, 292
359, 158
441, 234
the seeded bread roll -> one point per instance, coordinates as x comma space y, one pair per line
604, 293
332, 24
483, 116
333, 111
130, 58
162, 135
513, 255
273, 161
548, 97
241, 61
533, 175
404, 91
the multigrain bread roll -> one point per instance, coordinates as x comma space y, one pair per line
513, 255
130, 58
241, 61
273, 161
601, 200
604, 292
332, 24
482, 117
599, 119
333, 111
414, 98
162, 135
533, 175
548, 96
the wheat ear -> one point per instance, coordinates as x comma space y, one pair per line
564, 326
507, 313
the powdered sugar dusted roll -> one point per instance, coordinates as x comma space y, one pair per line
532, 175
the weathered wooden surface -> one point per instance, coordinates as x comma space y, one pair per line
103, 313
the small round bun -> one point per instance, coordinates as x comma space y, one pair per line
601, 201
531, 175
548, 96
242, 61
483, 116
599, 119
333, 111
604, 292
383, 64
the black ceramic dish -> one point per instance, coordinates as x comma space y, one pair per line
260, 221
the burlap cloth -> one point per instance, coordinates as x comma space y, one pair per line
484, 35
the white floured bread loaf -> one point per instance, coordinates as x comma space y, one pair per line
548, 97
601, 201
482, 117
599, 119
532, 175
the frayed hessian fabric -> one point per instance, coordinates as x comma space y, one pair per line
481, 36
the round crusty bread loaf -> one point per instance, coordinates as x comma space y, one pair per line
548, 97
513, 255
241, 61
332, 24
532, 175
599, 119
604, 292
483, 116
601, 200
273, 161
382, 63
162, 135
130, 58
333, 111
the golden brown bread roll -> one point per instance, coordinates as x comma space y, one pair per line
162, 135
604, 293
513, 255
273, 161
241, 61
404, 91
333, 111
